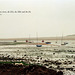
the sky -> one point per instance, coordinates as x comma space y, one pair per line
48, 18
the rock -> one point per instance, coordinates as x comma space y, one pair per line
27, 70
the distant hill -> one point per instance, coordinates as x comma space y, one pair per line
68, 37
71, 35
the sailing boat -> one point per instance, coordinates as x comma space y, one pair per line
38, 45
62, 41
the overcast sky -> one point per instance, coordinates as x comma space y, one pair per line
47, 18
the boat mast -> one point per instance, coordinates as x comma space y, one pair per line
29, 37
56, 39
62, 39
37, 37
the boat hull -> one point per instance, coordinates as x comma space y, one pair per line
38, 45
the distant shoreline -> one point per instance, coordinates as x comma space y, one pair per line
41, 38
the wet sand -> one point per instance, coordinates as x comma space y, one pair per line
52, 56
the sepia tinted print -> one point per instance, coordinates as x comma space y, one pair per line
37, 37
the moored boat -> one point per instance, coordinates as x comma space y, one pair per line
48, 42
38, 45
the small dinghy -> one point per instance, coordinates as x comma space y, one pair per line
38, 45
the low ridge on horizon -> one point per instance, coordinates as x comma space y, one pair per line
38, 37
71, 35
